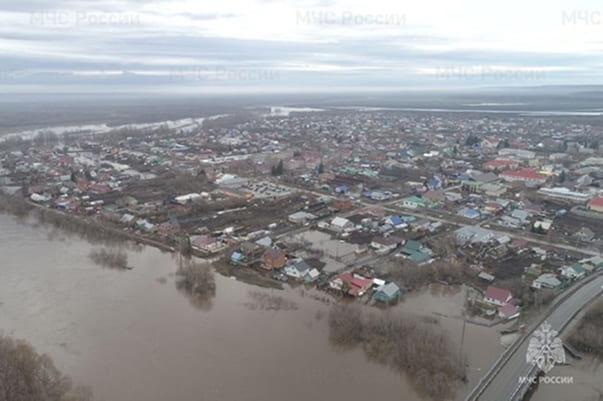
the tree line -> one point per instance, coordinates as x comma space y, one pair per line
26, 375
419, 348
588, 336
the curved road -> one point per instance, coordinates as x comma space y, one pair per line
506, 384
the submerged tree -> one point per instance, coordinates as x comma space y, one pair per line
197, 281
113, 258
26, 375
419, 347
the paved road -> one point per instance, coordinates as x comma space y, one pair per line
388, 206
511, 234
506, 384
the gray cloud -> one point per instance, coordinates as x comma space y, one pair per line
124, 42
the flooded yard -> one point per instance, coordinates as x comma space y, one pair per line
335, 250
133, 336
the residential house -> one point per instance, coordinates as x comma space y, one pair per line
237, 258
251, 250
351, 284
127, 219
301, 217
584, 234
274, 258
493, 207
421, 225
415, 251
453, 196
396, 222
500, 164
341, 224
206, 244
312, 275
547, 280
297, 269
435, 195
264, 242
414, 202
592, 264
493, 190
387, 293
508, 311
573, 272
497, 296
517, 153
595, 204
385, 244
485, 276
526, 175
473, 235
469, 213
543, 225
483, 178
521, 215
342, 203
145, 225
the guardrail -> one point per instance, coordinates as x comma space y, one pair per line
508, 353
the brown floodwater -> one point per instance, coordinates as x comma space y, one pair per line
132, 336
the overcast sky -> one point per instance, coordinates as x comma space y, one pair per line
282, 45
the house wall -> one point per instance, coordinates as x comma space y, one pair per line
494, 301
595, 208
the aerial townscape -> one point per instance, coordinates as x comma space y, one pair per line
360, 206
326, 200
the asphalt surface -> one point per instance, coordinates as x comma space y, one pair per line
506, 384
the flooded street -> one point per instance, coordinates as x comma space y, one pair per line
480, 344
133, 336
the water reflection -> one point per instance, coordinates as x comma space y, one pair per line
270, 302
133, 337
196, 280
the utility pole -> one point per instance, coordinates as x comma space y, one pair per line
462, 338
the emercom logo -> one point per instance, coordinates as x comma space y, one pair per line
545, 349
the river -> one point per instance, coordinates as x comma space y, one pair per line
132, 336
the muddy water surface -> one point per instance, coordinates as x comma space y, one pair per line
133, 337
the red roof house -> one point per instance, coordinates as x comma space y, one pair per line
527, 175
497, 296
595, 204
508, 311
355, 285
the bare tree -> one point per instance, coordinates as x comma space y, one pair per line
26, 375
114, 258
197, 281
407, 344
